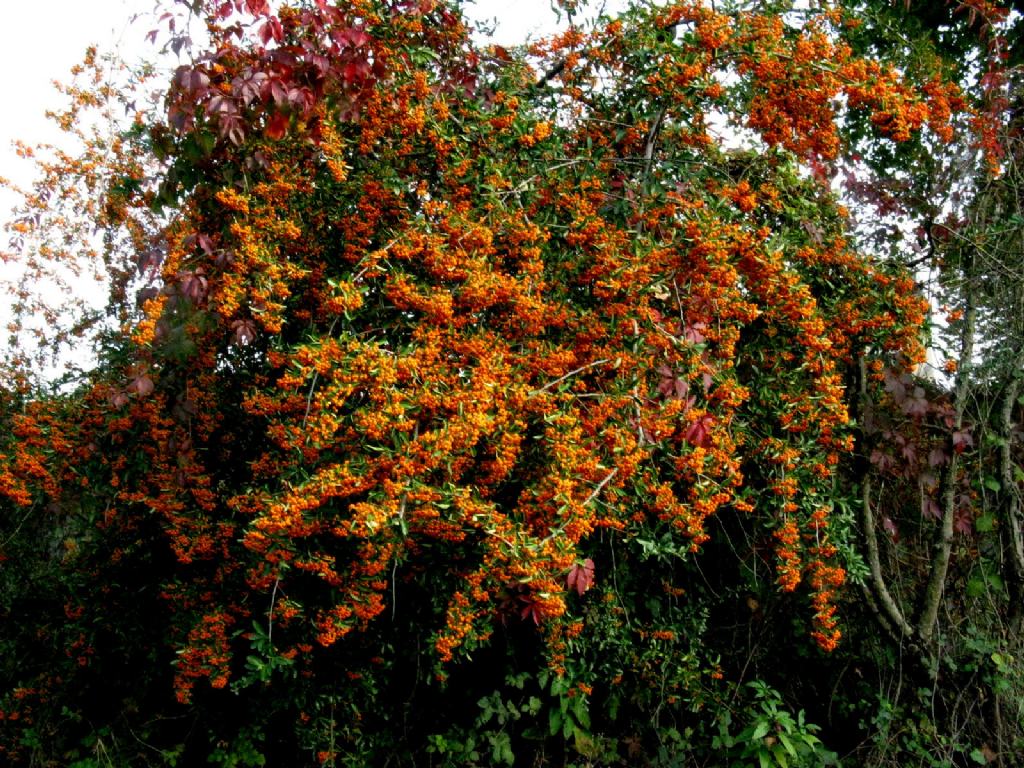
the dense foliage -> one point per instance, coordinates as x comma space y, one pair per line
457, 404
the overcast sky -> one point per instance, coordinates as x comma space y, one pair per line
44, 40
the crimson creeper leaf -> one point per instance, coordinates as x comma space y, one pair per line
581, 577
277, 126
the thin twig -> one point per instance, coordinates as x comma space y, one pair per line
560, 379
615, 583
312, 384
525, 184
600, 486
652, 142
270, 613
552, 72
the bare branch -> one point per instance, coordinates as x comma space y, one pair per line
570, 374
943, 545
888, 608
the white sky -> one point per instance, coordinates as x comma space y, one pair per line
44, 40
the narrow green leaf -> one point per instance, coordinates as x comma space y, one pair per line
787, 743
581, 712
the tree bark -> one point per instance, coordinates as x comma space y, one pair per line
931, 599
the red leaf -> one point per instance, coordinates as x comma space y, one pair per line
245, 331
693, 333
150, 260
916, 405
191, 80
909, 453
193, 286
276, 29
278, 91
277, 126
351, 72
698, 432
141, 386
881, 459
895, 387
221, 105
300, 97
964, 522
354, 37
671, 386
937, 457
962, 440
531, 611
257, 7
581, 577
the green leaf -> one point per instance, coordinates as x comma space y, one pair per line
554, 720
785, 741
568, 727
542, 679
580, 711
532, 707
613, 706
760, 731
975, 587
992, 484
